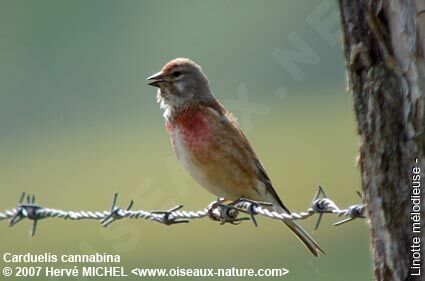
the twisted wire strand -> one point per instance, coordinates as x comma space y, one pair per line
99, 215
217, 210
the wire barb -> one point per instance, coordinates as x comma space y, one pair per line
354, 212
117, 213
322, 205
166, 217
29, 210
217, 210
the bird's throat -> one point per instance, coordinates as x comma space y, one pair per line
191, 126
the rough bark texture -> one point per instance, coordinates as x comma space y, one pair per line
384, 45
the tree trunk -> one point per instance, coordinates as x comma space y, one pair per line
384, 45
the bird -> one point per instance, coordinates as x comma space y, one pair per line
209, 143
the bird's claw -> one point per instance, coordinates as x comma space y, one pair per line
228, 213
214, 209
248, 206
224, 213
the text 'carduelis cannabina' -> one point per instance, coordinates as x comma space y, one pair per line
210, 144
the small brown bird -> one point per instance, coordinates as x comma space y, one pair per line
209, 143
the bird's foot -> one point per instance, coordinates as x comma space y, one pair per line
224, 213
213, 209
249, 206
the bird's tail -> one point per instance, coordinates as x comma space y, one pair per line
307, 240
299, 231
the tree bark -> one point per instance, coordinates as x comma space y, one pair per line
384, 47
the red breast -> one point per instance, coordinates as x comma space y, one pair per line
192, 125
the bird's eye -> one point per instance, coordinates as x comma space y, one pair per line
176, 74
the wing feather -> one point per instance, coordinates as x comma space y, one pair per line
260, 170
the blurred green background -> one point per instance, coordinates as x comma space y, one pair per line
78, 123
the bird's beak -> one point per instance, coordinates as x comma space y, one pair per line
155, 79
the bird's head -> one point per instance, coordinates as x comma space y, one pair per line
181, 82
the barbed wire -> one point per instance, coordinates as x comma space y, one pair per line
217, 210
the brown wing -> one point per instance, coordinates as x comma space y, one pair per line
261, 172
264, 178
